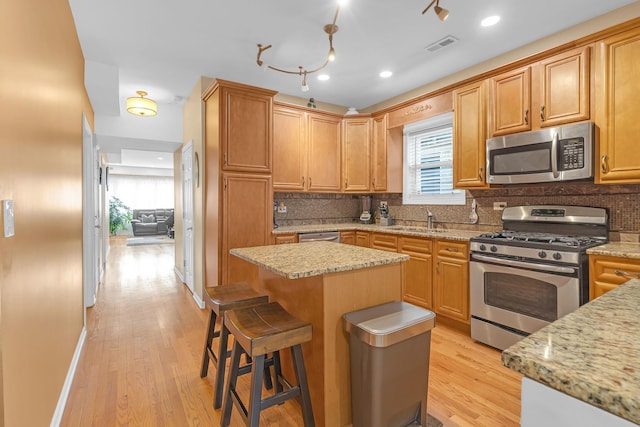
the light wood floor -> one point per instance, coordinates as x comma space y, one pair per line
141, 360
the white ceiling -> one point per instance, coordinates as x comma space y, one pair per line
163, 47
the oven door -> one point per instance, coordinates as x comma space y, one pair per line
513, 298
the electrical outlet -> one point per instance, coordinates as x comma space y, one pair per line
282, 208
498, 206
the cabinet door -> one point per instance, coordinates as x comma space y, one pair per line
356, 137
348, 237
379, 153
246, 131
451, 281
617, 108
289, 149
247, 211
324, 153
606, 273
281, 239
564, 81
418, 271
511, 102
363, 238
469, 136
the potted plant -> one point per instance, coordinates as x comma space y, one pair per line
119, 215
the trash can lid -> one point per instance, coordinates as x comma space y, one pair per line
387, 324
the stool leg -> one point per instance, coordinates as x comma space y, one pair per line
225, 418
277, 368
207, 344
221, 365
255, 395
301, 376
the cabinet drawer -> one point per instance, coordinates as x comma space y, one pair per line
280, 239
415, 245
387, 242
606, 273
451, 249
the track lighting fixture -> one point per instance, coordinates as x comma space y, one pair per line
330, 29
442, 13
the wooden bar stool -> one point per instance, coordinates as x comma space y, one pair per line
258, 331
220, 299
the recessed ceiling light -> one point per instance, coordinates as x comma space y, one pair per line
160, 158
324, 77
385, 74
490, 20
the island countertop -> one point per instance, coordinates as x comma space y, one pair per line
297, 260
592, 354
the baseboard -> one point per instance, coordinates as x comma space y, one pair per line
196, 298
178, 273
66, 387
198, 301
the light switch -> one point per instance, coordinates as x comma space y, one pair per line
7, 215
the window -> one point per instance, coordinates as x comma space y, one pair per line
428, 163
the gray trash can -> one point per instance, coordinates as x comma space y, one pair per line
390, 346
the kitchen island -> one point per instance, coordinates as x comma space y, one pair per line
583, 369
318, 282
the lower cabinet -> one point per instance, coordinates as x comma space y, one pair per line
348, 237
451, 280
280, 239
607, 272
418, 271
363, 238
386, 242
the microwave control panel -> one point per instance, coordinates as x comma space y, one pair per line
571, 154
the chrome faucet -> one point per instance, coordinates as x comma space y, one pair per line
429, 220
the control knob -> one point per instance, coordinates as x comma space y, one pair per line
557, 256
542, 254
483, 247
494, 248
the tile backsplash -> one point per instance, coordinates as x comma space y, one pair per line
622, 202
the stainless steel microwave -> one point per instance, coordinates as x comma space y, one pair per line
560, 153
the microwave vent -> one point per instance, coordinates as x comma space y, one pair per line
444, 42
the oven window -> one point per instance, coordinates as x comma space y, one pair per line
521, 294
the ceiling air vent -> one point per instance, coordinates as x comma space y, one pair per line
447, 41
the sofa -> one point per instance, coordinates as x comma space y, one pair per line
146, 222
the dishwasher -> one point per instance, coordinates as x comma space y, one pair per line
327, 236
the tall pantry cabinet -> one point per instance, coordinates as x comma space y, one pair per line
236, 173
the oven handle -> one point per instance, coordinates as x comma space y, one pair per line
514, 263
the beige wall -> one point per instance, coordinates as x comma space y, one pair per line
42, 98
193, 130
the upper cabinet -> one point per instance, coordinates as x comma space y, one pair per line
356, 137
379, 153
324, 152
246, 148
289, 149
617, 108
547, 93
469, 136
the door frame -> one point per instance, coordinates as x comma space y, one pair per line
90, 257
188, 205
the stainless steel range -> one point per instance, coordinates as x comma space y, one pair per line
533, 272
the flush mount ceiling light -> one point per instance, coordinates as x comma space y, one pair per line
490, 20
141, 106
442, 13
330, 29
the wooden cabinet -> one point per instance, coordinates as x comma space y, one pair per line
246, 147
324, 152
245, 197
348, 237
607, 272
379, 153
289, 149
617, 108
385, 242
356, 137
281, 239
451, 280
237, 205
550, 92
418, 271
363, 238
469, 136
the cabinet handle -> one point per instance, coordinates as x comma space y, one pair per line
225, 158
225, 184
542, 113
438, 267
526, 116
309, 182
451, 249
603, 163
627, 274
373, 183
345, 184
480, 173
303, 182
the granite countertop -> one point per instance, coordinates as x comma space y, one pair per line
296, 260
391, 229
592, 354
619, 249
